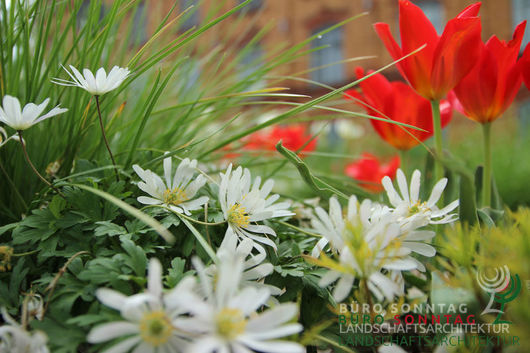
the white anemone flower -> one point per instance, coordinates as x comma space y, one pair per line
364, 256
244, 203
332, 226
412, 212
178, 191
150, 317
367, 240
19, 119
254, 270
98, 84
227, 319
14, 339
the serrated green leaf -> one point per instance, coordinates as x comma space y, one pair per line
109, 229
137, 255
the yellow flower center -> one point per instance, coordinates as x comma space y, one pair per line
174, 196
417, 207
237, 215
155, 328
230, 323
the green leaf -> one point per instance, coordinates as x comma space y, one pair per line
468, 204
137, 256
57, 205
7, 227
109, 229
159, 228
485, 218
321, 187
176, 272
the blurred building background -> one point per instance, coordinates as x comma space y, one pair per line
296, 20
268, 24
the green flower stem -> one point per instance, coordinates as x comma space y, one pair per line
199, 222
35, 169
486, 177
105, 139
299, 229
403, 157
199, 238
26, 253
438, 143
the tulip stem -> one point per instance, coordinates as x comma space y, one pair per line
105, 138
35, 169
437, 127
486, 176
403, 161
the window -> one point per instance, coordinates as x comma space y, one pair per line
434, 11
521, 12
139, 30
84, 11
329, 71
254, 5
191, 18
251, 62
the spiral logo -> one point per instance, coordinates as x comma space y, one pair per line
502, 287
494, 283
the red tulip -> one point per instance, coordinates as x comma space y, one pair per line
399, 102
369, 171
445, 60
525, 66
489, 89
293, 137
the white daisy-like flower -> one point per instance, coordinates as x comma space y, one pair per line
150, 317
332, 226
412, 212
14, 339
364, 217
178, 191
254, 270
244, 203
226, 319
364, 256
19, 119
367, 240
98, 84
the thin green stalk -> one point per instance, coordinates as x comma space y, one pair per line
199, 222
105, 139
486, 180
403, 157
437, 127
199, 238
35, 169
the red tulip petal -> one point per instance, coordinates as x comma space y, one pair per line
524, 63
375, 88
456, 54
391, 167
383, 31
476, 92
416, 30
506, 53
506, 96
455, 103
446, 111
470, 11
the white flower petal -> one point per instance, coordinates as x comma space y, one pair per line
110, 331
